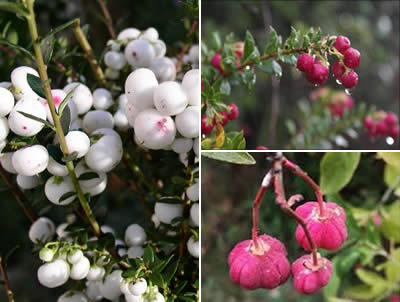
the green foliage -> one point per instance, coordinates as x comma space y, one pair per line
240, 158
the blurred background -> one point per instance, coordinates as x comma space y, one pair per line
228, 191
119, 205
371, 26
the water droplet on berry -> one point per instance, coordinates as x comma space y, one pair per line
348, 91
316, 85
337, 81
248, 67
389, 140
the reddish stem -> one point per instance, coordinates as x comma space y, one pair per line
317, 190
281, 199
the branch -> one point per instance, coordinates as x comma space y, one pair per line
108, 18
281, 200
317, 190
186, 46
9, 292
88, 51
60, 134
19, 196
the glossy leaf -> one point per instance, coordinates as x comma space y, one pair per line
36, 84
240, 158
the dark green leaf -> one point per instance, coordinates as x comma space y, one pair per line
66, 196
170, 271
216, 43
130, 273
271, 66
88, 176
36, 84
148, 255
274, 42
59, 29
37, 119
170, 199
56, 153
16, 8
46, 48
250, 52
157, 279
65, 120
228, 58
106, 241
240, 158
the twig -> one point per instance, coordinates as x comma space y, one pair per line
281, 200
186, 46
19, 196
317, 190
108, 18
87, 49
9, 292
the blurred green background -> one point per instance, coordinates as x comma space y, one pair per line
228, 191
119, 206
372, 27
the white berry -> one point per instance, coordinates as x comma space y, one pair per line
6, 162
55, 188
193, 192
30, 161
20, 81
139, 88
53, 274
138, 288
82, 97
80, 269
182, 145
73, 297
191, 86
194, 214
166, 212
110, 288
56, 168
187, 122
7, 101
128, 34
79, 142
28, 182
135, 235
102, 99
114, 60
96, 273
169, 98
4, 130
97, 119
139, 53
135, 252
193, 247
42, 230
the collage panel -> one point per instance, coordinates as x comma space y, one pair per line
99, 151
300, 75
300, 226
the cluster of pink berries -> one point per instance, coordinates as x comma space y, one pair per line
216, 60
382, 124
225, 117
339, 103
317, 71
264, 264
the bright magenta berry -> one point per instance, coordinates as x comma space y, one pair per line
234, 112
261, 148
338, 70
382, 128
305, 62
369, 123
350, 80
337, 109
264, 265
351, 58
342, 44
328, 231
205, 127
391, 119
348, 103
309, 278
394, 131
216, 61
318, 75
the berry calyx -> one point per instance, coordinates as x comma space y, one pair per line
338, 70
351, 58
350, 80
305, 62
342, 44
328, 231
259, 266
224, 119
309, 278
234, 112
205, 127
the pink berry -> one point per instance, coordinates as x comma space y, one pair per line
309, 278
261, 265
369, 123
319, 74
382, 128
216, 61
328, 231
337, 109
205, 127
351, 58
234, 112
261, 148
342, 44
349, 103
224, 119
350, 80
394, 132
305, 62
394, 298
391, 119
338, 70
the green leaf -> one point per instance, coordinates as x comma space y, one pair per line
369, 277
37, 119
240, 158
292, 41
228, 62
170, 199
65, 100
337, 169
36, 84
274, 42
289, 59
391, 176
391, 224
250, 52
88, 176
157, 279
59, 29
216, 43
392, 269
271, 66
363, 291
56, 153
66, 196
15, 8
170, 271
346, 261
148, 255
106, 241
391, 158
332, 288
130, 273
46, 48
65, 120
